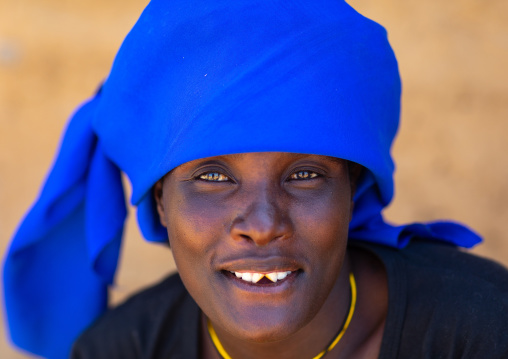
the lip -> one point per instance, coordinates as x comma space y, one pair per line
277, 288
261, 265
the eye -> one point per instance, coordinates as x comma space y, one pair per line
303, 175
213, 177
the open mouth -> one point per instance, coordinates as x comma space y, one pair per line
261, 279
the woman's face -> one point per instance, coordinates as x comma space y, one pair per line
281, 217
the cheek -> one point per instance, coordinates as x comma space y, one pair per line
192, 219
322, 232
195, 228
326, 215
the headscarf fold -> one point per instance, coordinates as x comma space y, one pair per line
195, 79
65, 251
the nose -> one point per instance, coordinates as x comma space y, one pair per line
263, 220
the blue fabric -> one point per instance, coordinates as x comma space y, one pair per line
193, 79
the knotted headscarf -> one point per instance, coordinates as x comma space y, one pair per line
194, 79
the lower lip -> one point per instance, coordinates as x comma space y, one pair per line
267, 288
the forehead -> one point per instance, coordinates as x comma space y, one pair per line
261, 158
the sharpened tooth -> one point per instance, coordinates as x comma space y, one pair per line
247, 277
282, 275
238, 275
272, 276
256, 277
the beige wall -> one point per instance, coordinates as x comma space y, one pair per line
451, 151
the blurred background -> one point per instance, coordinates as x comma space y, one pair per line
452, 150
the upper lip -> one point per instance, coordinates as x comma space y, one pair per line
261, 265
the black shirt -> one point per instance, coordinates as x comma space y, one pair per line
443, 303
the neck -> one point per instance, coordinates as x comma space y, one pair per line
306, 343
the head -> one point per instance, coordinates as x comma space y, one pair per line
269, 212
249, 87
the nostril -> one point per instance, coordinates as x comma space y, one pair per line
261, 224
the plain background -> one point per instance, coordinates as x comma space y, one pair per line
452, 146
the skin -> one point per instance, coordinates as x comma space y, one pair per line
265, 212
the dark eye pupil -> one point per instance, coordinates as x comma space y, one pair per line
303, 174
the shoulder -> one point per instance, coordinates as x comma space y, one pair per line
449, 271
445, 302
149, 322
444, 268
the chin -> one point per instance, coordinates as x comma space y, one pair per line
266, 325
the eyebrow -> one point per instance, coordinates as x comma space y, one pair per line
336, 159
331, 158
237, 156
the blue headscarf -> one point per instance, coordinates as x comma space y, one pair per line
194, 79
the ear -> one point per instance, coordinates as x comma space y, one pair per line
355, 171
159, 201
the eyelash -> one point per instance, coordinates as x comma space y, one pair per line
219, 177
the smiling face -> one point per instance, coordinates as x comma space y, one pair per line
258, 238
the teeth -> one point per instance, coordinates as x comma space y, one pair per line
256, 277
247, 276
272, 276
282, 275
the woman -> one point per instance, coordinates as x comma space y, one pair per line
256, 136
